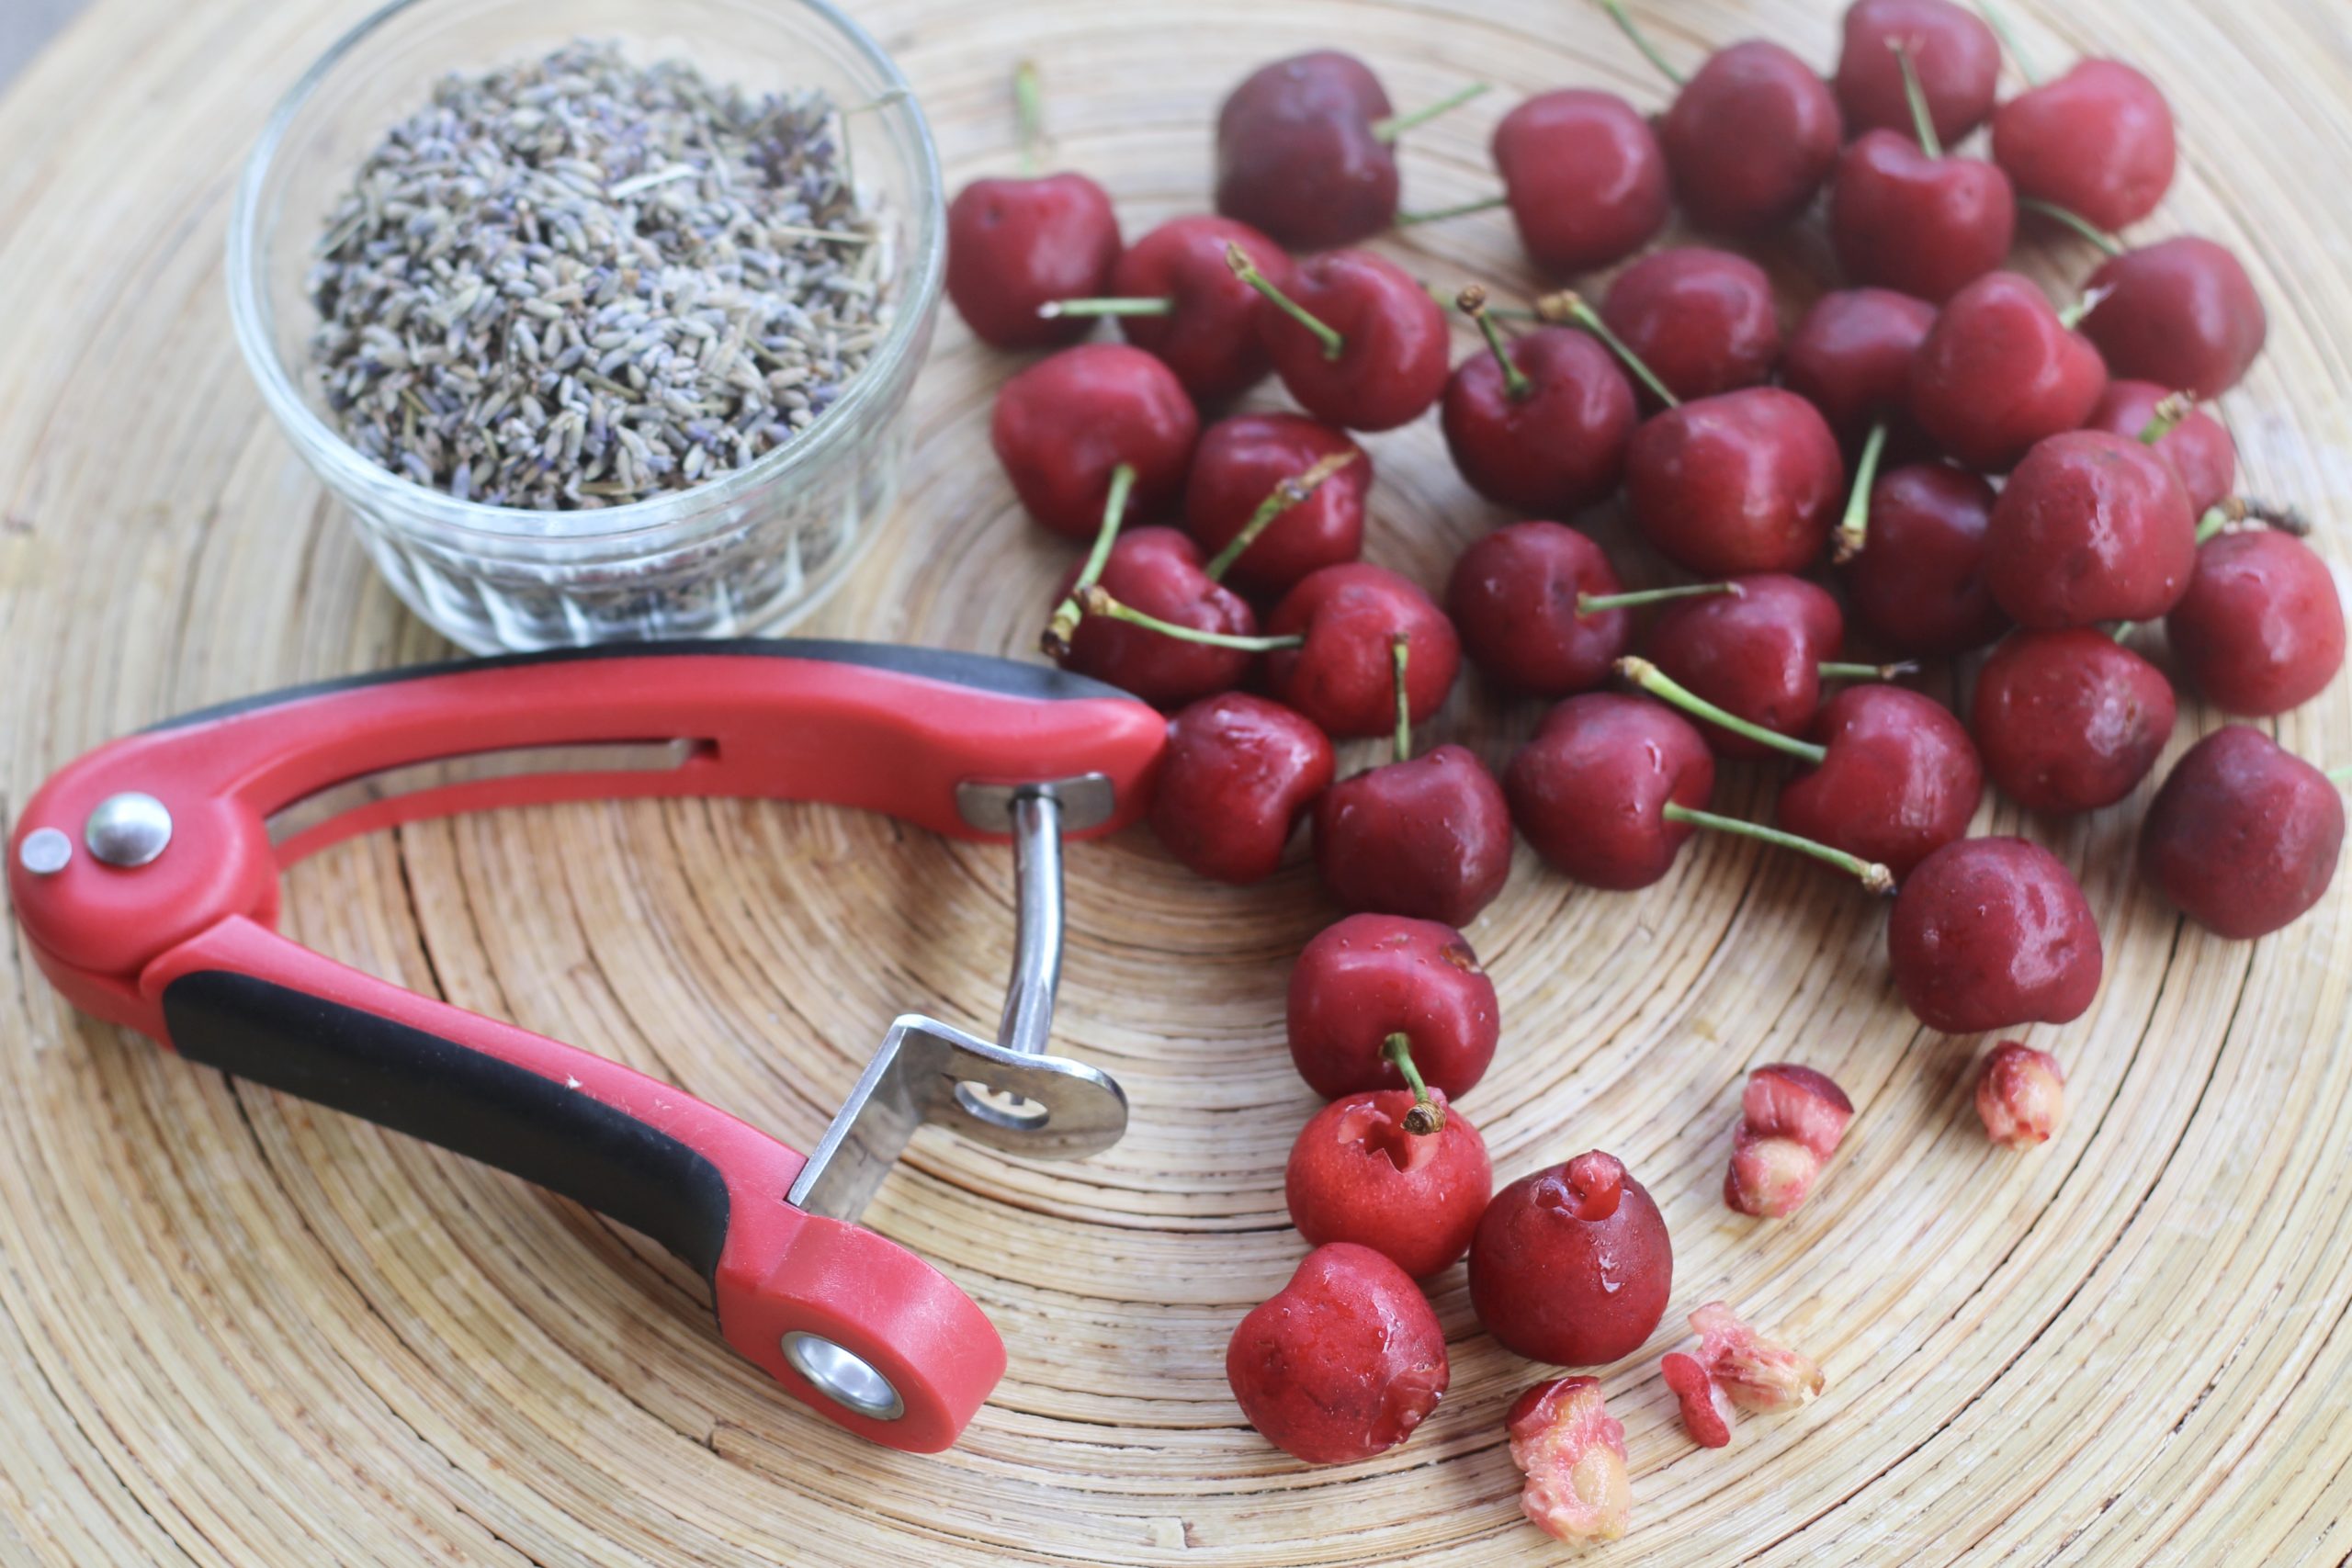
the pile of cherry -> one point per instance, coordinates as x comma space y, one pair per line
1934, 371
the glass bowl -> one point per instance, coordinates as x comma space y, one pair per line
745, 552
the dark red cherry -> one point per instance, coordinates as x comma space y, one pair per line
1590, 790
1701, 320
1540, 424
1516, 599
2069, 720
1356, 341
1360, 1173
2180, 312
1238, 773
1241, 464
1344, 1362
1158, 571
1746, 482
2093, 527
2097, 141
1428, 838
1750, 137
1369, 979
1343, 675
1062, 426
1206, 331
2261, 628
1926, 224
1957, 57
2243, 837
1572, 1265
1898, 779
1758, 653
1917, 587
1999, 371
1584, 178
1016, 246
2198, 447
1992, 933
1299, 154
1850, 357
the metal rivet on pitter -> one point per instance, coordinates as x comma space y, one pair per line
128, 829
45, 852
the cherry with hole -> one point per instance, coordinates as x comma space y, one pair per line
1401, 1172
1572, 1265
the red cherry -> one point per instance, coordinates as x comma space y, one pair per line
1584, 178
1426, 837
2092, 526
1298, 152
2181, 312
1241, 462
1897, 780
1344, 1362
1746, 482
1355, 340
1702, 320
1957, 57
1062, 426
1758, 652
1343, 675
1914, 220
1014, 246
1750, 137
2261, 628
2069, 720
1850, 357
1372, 978
1590, 788
1238, 773
1919, 585
1158, 571
1992, 933
1175, 297
2097, 141
2198, 446
1539, 423
1999, 371
1572, 1265
1357, 1174
2243, 837
1519, 596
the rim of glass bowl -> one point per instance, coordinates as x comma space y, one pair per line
422, 507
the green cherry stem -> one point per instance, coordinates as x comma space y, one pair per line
1112, 307
1872, 875
2165, 417
2342, 775
2074, 221
1463, 210
1568, 308
1028, 114
1616, 9
1400, 651
1055, 643
1923, 119
1999, 24
2123, 630
1471, 302
1594, 604
1280, 498
1835, 669
1396, 125
1427, 1115
1668, 690
2215, 521
1853, 528
1238, 259
2072, 316
1098, 603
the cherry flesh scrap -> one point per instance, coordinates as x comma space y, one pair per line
1702, 320
1706, 1409
1156, 572
2021, 1095
1299, 152
1539, 610
1354, 339
1918, 220
1760, 1375
2069, 720
1999, 371
1744, 482
1850, 357
1015, 245
1572, 1265
2092, 526
1241, 462
1372, 978
1344, 1362
1238, 773
2098, 142
1590, 790
2261, 628
2243, 837
2197, 445
1573, 1453
1992, 933
1790, 1121
1897, 780
1585, 177
1757, 651
1539, 423
1063, 425
1919, 585
2181, 312
1175, 297
1957, 57
1360, 1173
1343, 674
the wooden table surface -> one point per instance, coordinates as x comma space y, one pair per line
235, 1330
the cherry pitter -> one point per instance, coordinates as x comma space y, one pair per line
146, 877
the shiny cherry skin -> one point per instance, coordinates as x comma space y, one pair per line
1957, 56
1559, 445
1757, 653
1296, 156
1992, 933
1744, 482
1850, 357
1356, 1173
2069, 720
1585, 177
2261, 628
1238, 773
1370, 976
2181, 312
1429, 837
1397, 355
1513, 598
1238, 464
1063, 425
1210, 337
1901, 780
1344, 1362
2199, 447
1926, 226
1918, 585
2093, 527
1999, 371
1750, 137
1572, 1265
1701, 320
2244, 838
2097, 141
1344, 676
1158, 571
1590, 789
1016, 244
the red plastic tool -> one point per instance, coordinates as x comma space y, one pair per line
146, 876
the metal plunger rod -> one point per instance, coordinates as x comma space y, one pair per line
1028, 1020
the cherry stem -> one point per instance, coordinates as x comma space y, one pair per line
1055, 643
2072, 316
1616, 9
2342, 775
2167, 416
1471, 302
2216, 520
2074, 221
1427, 1115
2123, 630
2285, 519
1280, 498
1993, 19
1835, 669
1594, 604
1333, 344
1666, 689
1028, 114
1872, 875
1098, 603
1464, 209
1923, 118
1159, 307
1853, 528
1568, 308
1400, 649
1396, 125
